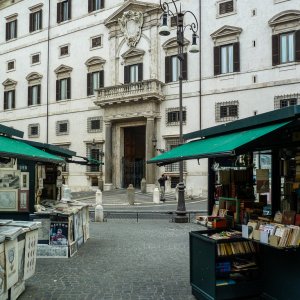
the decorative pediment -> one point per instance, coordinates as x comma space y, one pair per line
172, 43
226, 30
9, 83
63, 69
289, 16
133, 52
95, 60
130, 5
34, 76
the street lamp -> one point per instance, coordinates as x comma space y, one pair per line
164, 31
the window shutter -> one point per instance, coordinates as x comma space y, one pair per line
140, 72
184, 66
16, 29
13, 99
58, 12
236, 57
69, 9
102, 4
275, 50
101, 83
31, 22
58, 90
89, 84
7, 32
69, 88
126, 74
167, 69
90, 6
217, 66
39, 95
297, 38
5, 100
29, 96
41, 20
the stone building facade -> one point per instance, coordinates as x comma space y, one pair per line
96, 77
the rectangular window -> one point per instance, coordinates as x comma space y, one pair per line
226, 59
171, 144
96, 42
9, 99
33, 130
64, 50
172, 68
94, 124
287, 47
11, 30
95, 5
133, 73
94, 152
34, 95
35, 59
63, 89
227, 111
62, 127
63, 11
288, 102
35, 21
11, 65
226, 7
172, 116
95, 80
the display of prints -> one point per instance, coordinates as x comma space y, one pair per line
71, 229
76, 226
2, 273
11, 164
84, 218
24, 180
44, 251
41, 183
11, 261
44, 230
262, 181
10, 179
80, 229
23, 200
31, 240
8, 200
21, 255
59, 233
73, 248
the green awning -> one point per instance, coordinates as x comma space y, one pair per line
18, 149
221, 145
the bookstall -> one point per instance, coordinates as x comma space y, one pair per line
253, 187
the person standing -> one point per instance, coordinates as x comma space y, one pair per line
162, 186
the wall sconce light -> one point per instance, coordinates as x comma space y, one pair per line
154, 142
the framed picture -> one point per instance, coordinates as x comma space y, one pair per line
10, 179
41, 183
10, 164
24, 181
59, 233
8, 200
23, 200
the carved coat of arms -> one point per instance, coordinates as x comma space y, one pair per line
131, 25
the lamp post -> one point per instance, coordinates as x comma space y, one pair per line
164, 30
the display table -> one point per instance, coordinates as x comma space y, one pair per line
18, 248
65, 227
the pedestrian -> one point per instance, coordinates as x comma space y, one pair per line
162, 186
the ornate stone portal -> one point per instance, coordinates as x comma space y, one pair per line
131, 25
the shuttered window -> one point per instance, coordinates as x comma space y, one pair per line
11, 30
133, 73
63, 89
172, 68
35, 21
63, 11
9, 99
34, 95
286, 47
95, 5
95, 80
226, 59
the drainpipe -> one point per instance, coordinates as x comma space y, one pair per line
48, 69
200, 69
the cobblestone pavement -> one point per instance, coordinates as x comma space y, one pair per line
122, 260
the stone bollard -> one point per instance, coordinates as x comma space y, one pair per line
98, 197
130, 194
98, 213
156, 196
143, 186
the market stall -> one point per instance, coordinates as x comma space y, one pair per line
253, 184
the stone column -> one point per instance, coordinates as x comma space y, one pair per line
108, 154
150, 151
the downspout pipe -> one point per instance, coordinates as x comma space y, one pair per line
48, 70
200, 68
